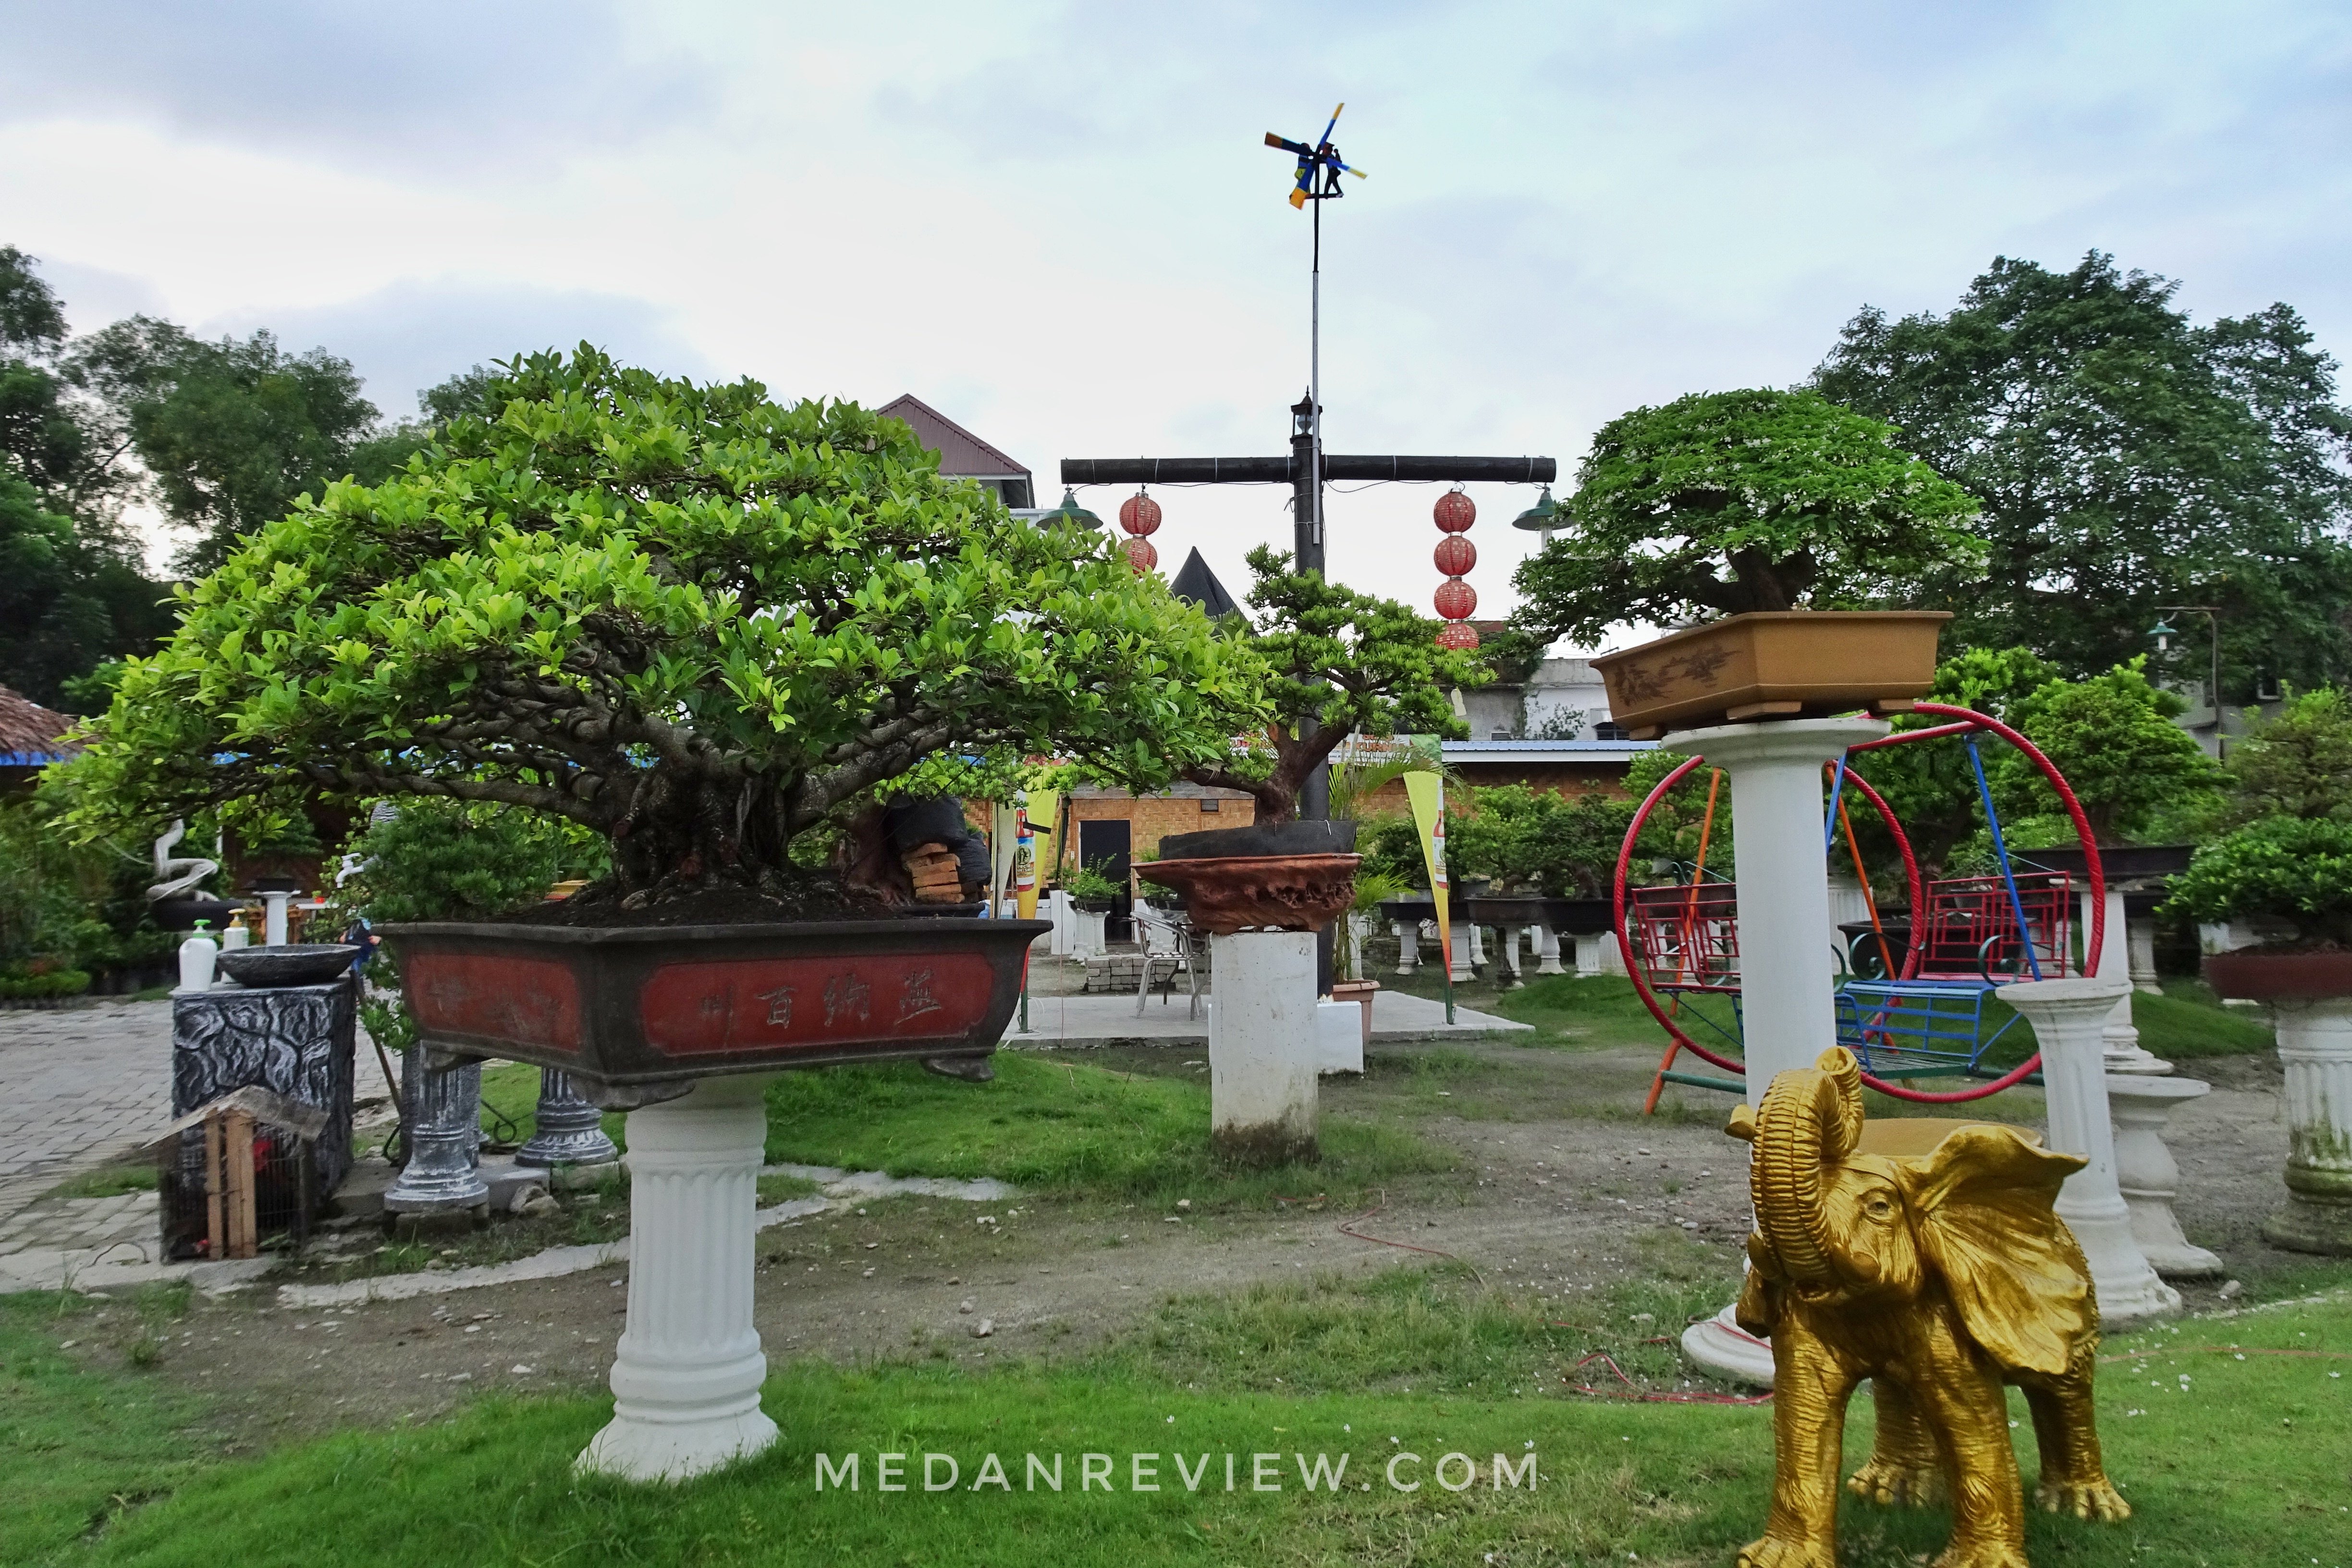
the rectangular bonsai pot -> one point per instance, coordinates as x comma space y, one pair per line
636, 1014
1783, 663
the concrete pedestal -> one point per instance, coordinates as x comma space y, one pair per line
444, 1136
1408, 935
686, 1381
1788, 1006
1264, 1048
2140, 938
1063, 940
2140, 1104
2119, 1037
2068, 1018
1462, 937
294, 1040
565, 1129
1592, 954
1506, 958
2314, 1045
1548, 951
1478, 944
1338, 1038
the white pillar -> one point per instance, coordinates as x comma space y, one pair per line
1408, 935
1478, 944
1548, 951
1092, 942
1592, 954
1788, 1007
1264, 1046
1066, 926
2147, 1174
2067, 1018
1338, 1037
1613, 954
686, 1381
2315, 1046
1460, 937
273, 919
2120, 1036
2141, 936
1506, 960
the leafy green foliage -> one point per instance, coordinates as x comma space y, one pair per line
67, 600
1538, 841
2126, 459
2296, 871
690, 618
1093, 880
1804, 502
456, 860
1338, 663
1680, 823
2298, 763
2113, 739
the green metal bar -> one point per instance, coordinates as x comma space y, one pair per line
1730, 1086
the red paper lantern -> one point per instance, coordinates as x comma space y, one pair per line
1456, 512
1140, 514
1456, 599
1455, 555
1457, 634
1141, 556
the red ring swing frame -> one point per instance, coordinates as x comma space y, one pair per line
1966, 721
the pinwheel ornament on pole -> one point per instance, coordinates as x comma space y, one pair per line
1318, 180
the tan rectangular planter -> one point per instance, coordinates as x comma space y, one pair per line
1782, 664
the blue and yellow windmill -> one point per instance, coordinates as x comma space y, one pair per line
1321, 160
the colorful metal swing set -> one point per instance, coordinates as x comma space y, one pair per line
1919, 1015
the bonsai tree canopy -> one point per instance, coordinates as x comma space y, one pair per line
2113, 739
698, 621
1722, 503
1341, 663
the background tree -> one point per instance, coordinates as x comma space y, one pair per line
2295, 763
1731, 501
1341, 663
691, 619
2126, 459
2113, 739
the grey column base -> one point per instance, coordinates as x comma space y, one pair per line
443, 1141
566, 1129
2303, 1226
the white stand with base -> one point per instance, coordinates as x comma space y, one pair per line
686, 1382
2140, 937
1592, 955
2315, 1046
1788, 1006
1408, 935
273, 918
2119, 1036
1548, 951
1338, 1037
2147, 1175
2068, 1018
1263, 1045
1461, 954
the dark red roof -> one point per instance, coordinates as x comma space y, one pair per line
962, 455
29, 732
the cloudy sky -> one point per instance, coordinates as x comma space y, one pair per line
1058, 224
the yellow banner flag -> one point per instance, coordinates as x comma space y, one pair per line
1427, 794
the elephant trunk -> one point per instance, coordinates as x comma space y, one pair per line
1811, 1119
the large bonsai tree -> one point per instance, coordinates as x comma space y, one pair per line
1731, 501
698, 621
1341, 663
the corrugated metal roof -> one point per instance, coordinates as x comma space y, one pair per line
1534, 750
962, 455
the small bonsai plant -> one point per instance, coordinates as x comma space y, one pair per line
703, 625
1093, 880
2289, 876
1341, 663
1722, 503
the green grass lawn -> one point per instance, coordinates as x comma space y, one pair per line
1061, 1127
2242, 1463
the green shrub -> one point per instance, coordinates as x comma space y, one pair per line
48, 983
2294, 870
2298, 763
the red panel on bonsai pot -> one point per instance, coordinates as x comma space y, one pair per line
531, 1001
760, 1004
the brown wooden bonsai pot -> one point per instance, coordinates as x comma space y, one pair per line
636, 1014
1260, 892
2280, 976
1784, 664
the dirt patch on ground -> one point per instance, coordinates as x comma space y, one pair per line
1564, 1188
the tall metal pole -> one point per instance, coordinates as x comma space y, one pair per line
1315, 386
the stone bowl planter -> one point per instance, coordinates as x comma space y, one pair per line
297, 964
1279, 839
1259, 893
1783, 663
2280, 976
634, 1015
1578, 916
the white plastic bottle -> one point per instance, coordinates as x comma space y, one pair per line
236, 935
196, 956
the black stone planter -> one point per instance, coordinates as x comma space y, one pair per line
1282, 838
636, 1014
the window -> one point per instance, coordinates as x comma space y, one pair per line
1607, 730
1211, 803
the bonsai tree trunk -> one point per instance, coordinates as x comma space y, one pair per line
1295, 758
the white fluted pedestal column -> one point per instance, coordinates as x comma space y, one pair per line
1408, 935
1548, 951
2068, 1019
2119, 1037
1788, 1002
2315, 1046
686, 1381
2146, 1171
1264, 1051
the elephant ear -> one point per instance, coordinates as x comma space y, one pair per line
1982, 1202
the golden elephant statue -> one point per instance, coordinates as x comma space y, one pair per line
1939, 1278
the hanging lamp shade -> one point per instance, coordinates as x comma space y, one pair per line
1455, 555
1071, 511
1457, 634
1455, 511
1140, 514
1541, 517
